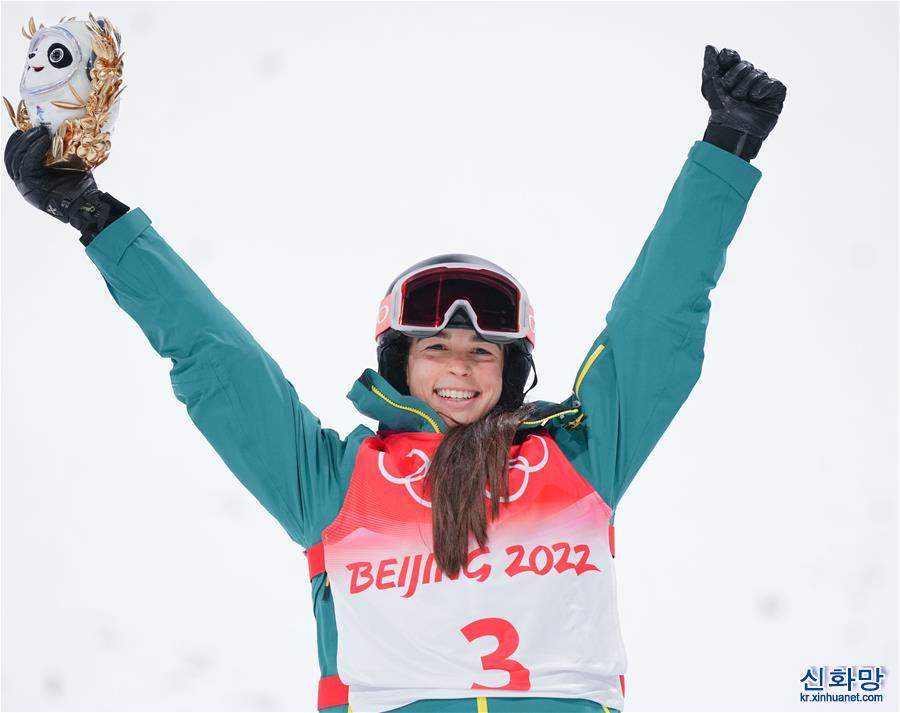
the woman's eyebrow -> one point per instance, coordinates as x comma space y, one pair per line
479, 340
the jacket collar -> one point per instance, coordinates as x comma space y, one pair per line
374, 397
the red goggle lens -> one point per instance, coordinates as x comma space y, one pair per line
428, 296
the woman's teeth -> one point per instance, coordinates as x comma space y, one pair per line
456, 394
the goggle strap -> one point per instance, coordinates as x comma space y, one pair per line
534, 373
383, 320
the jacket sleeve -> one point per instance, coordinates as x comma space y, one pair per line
648, 358
234, 391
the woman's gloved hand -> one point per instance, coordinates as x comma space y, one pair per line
69, 196
745, 102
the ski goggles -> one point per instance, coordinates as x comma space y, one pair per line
421, 303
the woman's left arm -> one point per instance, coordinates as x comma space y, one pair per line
648, 358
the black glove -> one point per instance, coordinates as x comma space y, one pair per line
70, 196
745, 102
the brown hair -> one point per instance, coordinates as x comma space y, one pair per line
470, 457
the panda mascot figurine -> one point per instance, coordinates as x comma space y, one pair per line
71, 84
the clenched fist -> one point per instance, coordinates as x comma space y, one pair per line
744, 101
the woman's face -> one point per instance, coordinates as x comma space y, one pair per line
457, 373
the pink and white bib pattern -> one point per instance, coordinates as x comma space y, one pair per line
532, 614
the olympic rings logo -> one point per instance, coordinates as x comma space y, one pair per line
519, 462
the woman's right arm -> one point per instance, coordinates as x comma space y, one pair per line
234, 391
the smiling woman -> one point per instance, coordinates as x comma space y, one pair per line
457, 373
435, 600
469, 364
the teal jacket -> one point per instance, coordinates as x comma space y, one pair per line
633, 380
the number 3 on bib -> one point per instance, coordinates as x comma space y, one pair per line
498, 660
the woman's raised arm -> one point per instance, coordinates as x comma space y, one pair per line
234, 391
648, 358
646, 361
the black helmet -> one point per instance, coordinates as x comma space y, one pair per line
457, 290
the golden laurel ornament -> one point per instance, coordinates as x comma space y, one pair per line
81, 126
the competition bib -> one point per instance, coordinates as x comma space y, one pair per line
532, 614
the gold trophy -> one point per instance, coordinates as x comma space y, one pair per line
71, 84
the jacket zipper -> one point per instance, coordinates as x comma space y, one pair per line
542, 421
437, 428
424, 415
584, 370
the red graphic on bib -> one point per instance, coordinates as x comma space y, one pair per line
388, 493
520, 462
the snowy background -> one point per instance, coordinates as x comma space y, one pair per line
298, 153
